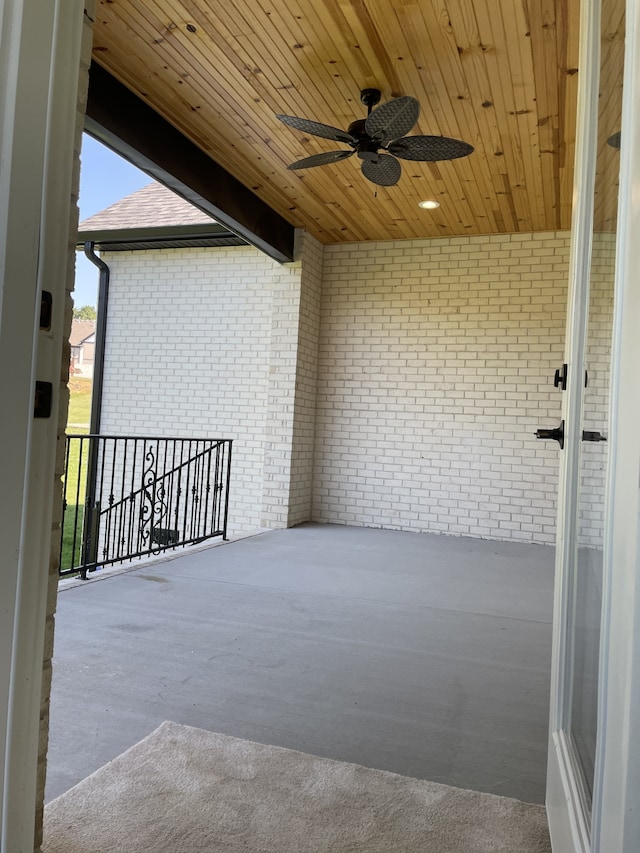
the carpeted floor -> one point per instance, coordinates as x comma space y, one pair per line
185, 790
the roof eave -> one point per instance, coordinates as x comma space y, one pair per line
159, 236
119, 119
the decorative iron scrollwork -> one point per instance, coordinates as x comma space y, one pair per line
153, 503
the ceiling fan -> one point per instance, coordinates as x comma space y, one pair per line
384, 128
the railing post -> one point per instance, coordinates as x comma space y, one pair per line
226, 497
91, 522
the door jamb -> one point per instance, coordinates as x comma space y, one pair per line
568, 824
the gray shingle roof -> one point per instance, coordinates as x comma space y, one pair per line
153, 205
80, 331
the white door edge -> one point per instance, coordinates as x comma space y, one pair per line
568, 822
616, 801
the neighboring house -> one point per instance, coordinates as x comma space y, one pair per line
83, 344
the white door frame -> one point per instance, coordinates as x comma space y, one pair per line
615, 823
569, 830
616, 801
40, 49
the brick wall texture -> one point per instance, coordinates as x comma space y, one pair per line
188, 354
306, 381
436, 360
207, 343
394, 384
596, 400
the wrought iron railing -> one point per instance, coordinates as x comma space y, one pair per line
127, 497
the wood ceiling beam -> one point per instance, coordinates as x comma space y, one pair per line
130, 127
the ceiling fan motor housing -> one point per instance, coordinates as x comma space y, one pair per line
366, 147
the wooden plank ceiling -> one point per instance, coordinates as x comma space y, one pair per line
502, 76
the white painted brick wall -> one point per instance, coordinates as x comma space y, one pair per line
301, 487
187, 354
282, 357
596, 400
435, 369
293, 363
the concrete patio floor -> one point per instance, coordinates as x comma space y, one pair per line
425, 655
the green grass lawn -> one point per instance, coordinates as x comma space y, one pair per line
75, 490
71, 556
76, 473
79, 402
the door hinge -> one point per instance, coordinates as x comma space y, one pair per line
560, 378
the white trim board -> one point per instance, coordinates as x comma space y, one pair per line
40, 47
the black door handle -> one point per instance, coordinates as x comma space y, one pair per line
590, 435
557, 434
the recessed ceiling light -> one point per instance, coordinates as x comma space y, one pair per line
430, 204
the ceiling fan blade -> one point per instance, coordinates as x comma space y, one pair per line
317, 129
429, 148
393, 119
321, 159
385, 171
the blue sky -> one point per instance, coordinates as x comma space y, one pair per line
104, 179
